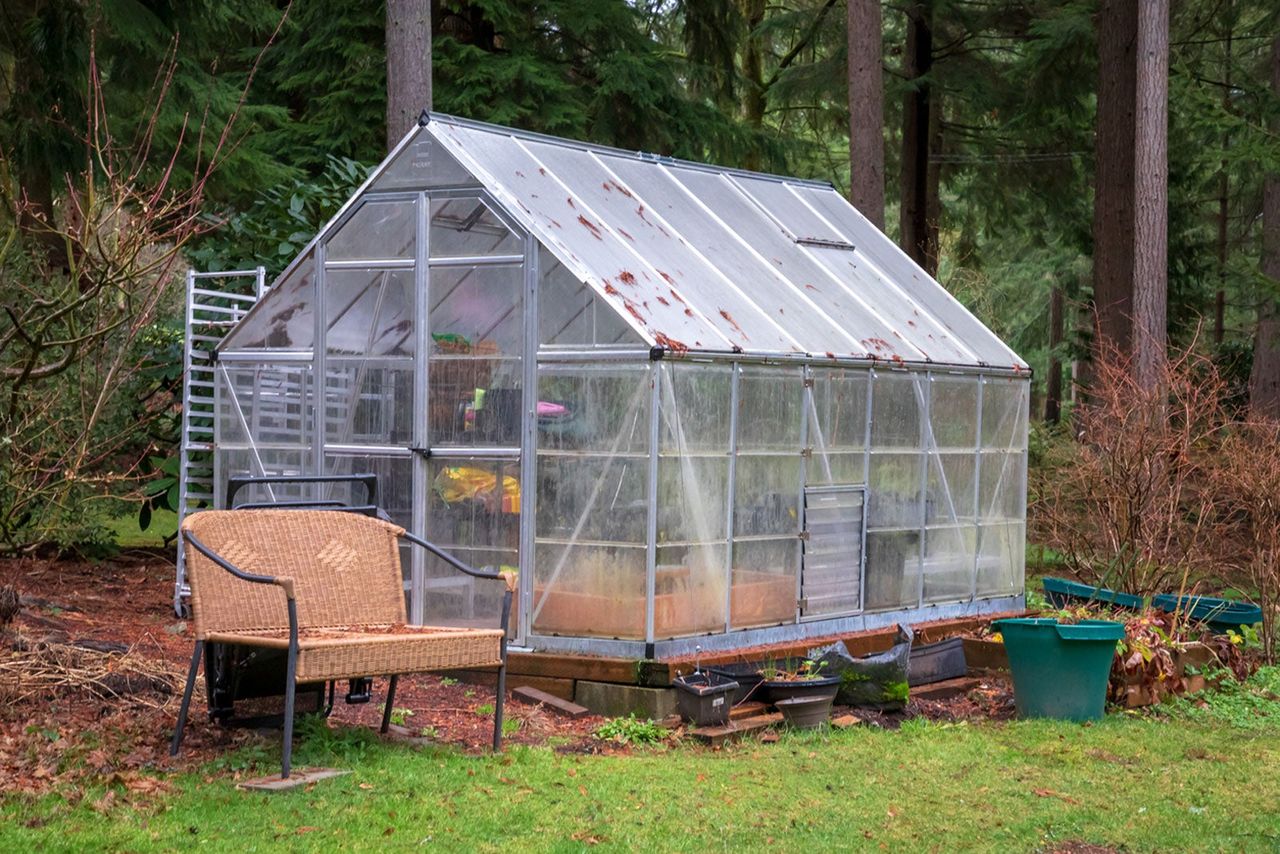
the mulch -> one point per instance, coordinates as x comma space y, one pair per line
116, 617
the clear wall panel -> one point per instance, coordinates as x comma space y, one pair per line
284, 319
572, 315
693, 481
422, 164
473, 512
467, 227
1002, 479
766, 504
369, 312
474, 371
368, 402
593, 501
894, 483
377, 230
952, 441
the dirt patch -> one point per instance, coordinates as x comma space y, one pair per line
114, 655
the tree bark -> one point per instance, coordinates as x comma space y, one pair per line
1264, 381
866, 110
754, 95
1151, 195
408, 24
1113, 212
917, 62
1053, 381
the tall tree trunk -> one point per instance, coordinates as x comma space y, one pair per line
917, 62
408, 25
1053, 382
1264, 382
753, 96
1151, 194
1113, 212
1220, 298
933, 186
866, 110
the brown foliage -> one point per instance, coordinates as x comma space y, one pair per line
1131, 504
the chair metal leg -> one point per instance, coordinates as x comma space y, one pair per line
498, 703
290, 689
391, 698
186, 698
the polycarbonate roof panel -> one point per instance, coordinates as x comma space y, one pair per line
721, 260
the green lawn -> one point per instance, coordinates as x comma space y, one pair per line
1201, 780
127, 535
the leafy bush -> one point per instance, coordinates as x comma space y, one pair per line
629, 730
279, 223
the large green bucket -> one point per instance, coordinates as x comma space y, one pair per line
1060, 670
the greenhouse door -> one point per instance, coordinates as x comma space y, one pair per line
831, 568
468, 472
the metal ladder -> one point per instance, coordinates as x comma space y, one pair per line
215, 304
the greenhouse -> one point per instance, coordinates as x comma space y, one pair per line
692, 406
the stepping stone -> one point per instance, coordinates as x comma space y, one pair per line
297, 778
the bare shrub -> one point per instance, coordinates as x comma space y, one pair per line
76, 390
1247, 479
1130, 503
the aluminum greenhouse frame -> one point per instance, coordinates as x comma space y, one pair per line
692, 405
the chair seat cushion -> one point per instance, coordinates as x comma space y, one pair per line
347, 652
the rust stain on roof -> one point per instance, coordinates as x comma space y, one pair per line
628, 236
664, 300
876, 344
619, 188
635, 312
626, 278
689, 312
569, 199
809, 287
541, 171
676, 295
591, 226
729, 317
610, 289
671, 343
663, 274
519, 173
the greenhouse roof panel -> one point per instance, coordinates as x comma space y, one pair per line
706, 258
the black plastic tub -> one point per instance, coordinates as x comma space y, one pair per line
747, 675
704, 699
806, 712
784, 690
937, 662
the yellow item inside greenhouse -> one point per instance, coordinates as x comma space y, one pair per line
465, 483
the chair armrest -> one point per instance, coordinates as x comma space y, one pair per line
507, 578
282, 581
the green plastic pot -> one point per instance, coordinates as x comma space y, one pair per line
1060, 670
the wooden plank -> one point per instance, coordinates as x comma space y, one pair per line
297, 778
945, 689
718, 735
622, 670
747, 710
555, 704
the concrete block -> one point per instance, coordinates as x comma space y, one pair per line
613, 700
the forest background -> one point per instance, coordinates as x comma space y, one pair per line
1098, 180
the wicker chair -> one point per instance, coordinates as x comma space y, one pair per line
325, 586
